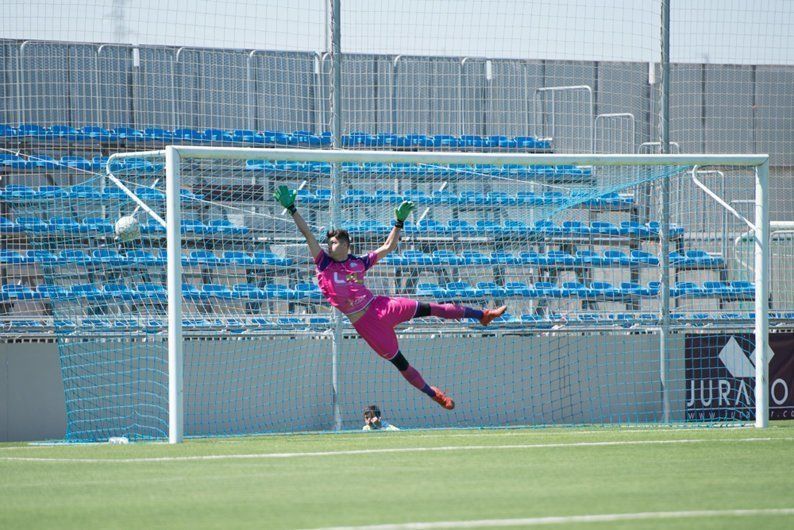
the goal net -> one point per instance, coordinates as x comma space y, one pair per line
618, 311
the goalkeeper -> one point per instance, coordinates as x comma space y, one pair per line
340, 276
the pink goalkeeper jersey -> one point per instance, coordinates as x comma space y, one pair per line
342, 283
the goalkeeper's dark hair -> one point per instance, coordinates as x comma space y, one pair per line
340, 234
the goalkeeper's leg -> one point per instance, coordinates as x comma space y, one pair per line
457, 312
376, 327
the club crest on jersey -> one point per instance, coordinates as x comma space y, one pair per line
355, 265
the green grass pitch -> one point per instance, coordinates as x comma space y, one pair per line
593, 478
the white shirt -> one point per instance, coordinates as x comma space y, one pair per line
384, 426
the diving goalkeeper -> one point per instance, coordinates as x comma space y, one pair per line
340, 276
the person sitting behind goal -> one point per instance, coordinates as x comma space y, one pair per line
373, 420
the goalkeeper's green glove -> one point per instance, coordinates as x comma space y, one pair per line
286, 197
402, 212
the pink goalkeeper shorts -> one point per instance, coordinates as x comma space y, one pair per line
378, 323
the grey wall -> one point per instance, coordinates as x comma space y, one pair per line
284, 384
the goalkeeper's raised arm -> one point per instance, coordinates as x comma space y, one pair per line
286, 197
401, 213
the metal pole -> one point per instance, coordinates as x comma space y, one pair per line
174, 250
664, 232
336, 184
761, 295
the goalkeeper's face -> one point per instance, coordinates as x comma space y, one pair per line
338, 248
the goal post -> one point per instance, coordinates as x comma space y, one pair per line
502, 190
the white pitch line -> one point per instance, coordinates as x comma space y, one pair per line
601, 518
263, 456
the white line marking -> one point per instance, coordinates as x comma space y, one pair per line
381, 451
602, 518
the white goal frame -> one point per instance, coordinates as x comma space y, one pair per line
174, 155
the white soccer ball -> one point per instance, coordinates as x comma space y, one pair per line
127, 229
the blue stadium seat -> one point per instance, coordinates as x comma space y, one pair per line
489, 227
529, 198
472, 198
271, 259
190, 292
18, 292
418, 140
98, 134
640, 258
474, 257
588, 257
701, 258
635, 290
260, 323
237, 257
575, 228
431, 290
74, 257
66, 133
126, 325
214, 290
248, 291
25, 326
617, 258
189, 135
152, 227
604, 228
461, 227
17, 193
117, 292
532, 258
279, 291
149, 194
82, 192
504, 258
635, 229
33, 224
550, 290
537, 321
446, 257
387, 197
417, 257
201, 257
76, 162
557, 258
42, 257
687, 290
308, 290
87, 290
246, 136
63, 326
515, 227
547, 228
444, 197
520, 289
64, 225
97, 225
12, 257
128, 135
427, 225
151, 292
217, 136
462, 290
580, 290
143, 257
373, 226
741, 290
32, 130
193, 226
606, 291
675, 230
491, 289
48, 193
